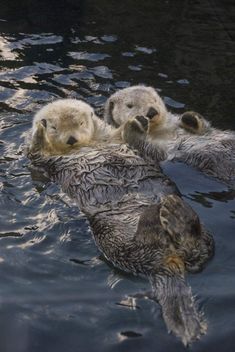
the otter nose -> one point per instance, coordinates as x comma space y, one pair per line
151, 113
71, 140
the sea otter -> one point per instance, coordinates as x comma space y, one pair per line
69, 124
138, 219
188, 138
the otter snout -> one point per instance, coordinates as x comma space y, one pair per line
151, 112
71, 140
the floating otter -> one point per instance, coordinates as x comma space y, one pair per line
188, 138
143, 101
138, 219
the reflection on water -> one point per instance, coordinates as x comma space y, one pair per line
57, 293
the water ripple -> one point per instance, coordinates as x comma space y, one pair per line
83, 56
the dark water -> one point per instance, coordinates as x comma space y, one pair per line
56, 292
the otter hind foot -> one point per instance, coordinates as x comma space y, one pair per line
178, 218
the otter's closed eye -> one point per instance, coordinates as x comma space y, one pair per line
111, 105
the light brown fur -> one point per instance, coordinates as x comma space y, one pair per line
188, 138
163, 126
68, 124
139, 221
138, 100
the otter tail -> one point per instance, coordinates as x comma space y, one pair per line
178, 307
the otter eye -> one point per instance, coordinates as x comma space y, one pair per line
53, 127
111, 105
81, 123
130, 106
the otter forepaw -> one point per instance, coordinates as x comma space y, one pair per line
143, 123
135, 128
193, 122
41, 125
38, 138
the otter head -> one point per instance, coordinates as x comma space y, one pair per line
135, 101
63, 125
194, 123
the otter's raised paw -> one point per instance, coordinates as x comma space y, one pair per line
194, 122
38, 138
135, 128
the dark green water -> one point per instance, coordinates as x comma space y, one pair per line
56, 293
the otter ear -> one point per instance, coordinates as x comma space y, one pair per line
108, 112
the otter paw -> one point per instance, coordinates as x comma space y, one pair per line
178, 218
139, 124
143, 123
192, 122
43, 122
38, 138
135, 128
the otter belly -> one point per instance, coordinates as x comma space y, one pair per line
139, 223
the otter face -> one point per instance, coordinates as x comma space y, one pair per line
135, 101
64, 124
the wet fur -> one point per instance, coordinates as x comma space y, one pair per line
188, 138
138, 219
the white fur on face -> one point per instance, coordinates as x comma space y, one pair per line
130, 102
66, 118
